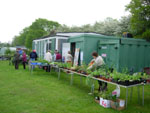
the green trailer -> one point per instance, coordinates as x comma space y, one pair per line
118, 53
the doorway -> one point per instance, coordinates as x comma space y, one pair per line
73, 47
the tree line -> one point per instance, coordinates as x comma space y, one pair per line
137, 23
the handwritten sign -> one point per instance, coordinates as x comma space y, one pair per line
76, 57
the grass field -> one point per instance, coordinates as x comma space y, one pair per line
42, 92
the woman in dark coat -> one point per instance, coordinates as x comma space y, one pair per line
16, 59
24, 60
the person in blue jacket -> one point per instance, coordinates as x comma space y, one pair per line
33, 55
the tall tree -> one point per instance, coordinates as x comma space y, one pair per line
33, 34
140, 17
123, 25
40, 27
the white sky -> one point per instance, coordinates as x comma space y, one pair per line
18, 14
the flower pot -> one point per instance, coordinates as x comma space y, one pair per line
83, 72
96, 76
114, 80
148, 80
125, 83
100, 76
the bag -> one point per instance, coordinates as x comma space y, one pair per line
116, 91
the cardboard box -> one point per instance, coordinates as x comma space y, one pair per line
97, 101
118, 105
105, 103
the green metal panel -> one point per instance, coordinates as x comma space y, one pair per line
38, 48
147, 56
133, 56
53, 44
90, 46
128, 53
109, 50
42, 49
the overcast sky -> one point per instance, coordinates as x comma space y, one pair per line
18, 14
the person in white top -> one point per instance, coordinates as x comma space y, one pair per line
69, 57
97, 63
48, 56
54, 56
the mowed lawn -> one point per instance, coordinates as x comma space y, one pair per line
42, 92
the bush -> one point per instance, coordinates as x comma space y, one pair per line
146, 35
8, 51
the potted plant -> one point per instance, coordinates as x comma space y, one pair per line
105, 99
124, 79
116, 103
135, 79
115, 76
68, 66
95, 74
88, 71
144, 77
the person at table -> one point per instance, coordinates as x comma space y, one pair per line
16, 59
33, 55
54, 56
58, 57
97, 63
24, 59
69, 57
48, 56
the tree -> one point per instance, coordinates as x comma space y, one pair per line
140, 16
123, 25
40, 27
106, 27
33, 34
45, 25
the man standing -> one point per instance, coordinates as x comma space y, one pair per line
33, 55
16, 59
48, 56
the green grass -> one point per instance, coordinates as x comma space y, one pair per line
42, 92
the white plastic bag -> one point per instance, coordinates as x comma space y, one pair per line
116, 91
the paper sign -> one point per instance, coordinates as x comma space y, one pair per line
81, 57
65, 49
122, 103
105, 103
76, 57
104, 47
104, 55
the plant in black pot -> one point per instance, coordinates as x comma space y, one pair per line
135, 79
68, 65
115, 76
105, 95
95, 74
144, 77
88, 71
102, 72
124, 79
